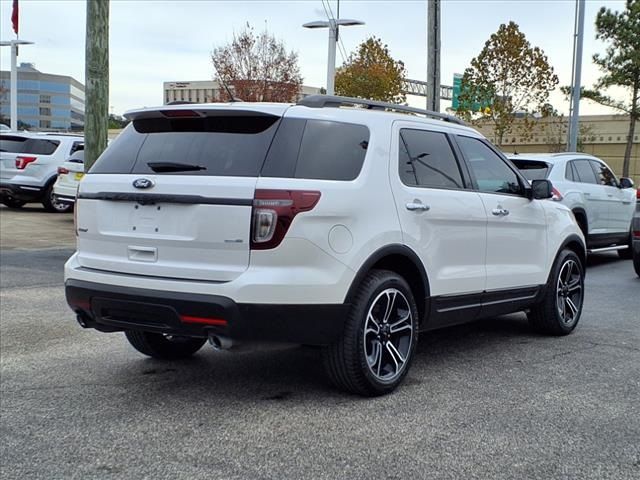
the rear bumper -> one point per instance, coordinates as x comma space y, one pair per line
64, 198
26, 193
111, 308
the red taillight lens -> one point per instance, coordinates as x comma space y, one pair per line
180, 113
638, 194
273, 212
62, 171
22, 162
556, 196
636, 233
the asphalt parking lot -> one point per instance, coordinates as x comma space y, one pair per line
486, 400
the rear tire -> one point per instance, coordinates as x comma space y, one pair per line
164, 347
559, 311
627, 253
13, 203
50, 205
379, 339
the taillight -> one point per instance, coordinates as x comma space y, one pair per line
22, 162
638, 194
62, 171
556, 196
273, 212
636, 233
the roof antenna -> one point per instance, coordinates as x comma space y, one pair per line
233, 99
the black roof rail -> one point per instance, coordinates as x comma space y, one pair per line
322, 101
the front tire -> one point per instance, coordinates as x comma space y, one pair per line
559, 311
379, 340
51, 205
164, 347
13, 203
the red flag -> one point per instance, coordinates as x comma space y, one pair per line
14, 16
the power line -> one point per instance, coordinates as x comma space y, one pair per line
341, 48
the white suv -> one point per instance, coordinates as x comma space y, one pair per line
29, 167
348, 228
602, 204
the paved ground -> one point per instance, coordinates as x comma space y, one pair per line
487, 400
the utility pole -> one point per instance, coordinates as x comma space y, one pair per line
433, 55
574, 105
96, 119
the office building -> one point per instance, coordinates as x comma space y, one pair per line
45, 101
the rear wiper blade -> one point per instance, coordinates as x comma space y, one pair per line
162, 167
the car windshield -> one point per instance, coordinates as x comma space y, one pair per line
532, 169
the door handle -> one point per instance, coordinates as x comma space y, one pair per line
417, 206
500, 212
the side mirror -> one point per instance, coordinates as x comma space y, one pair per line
626, 183
541, 189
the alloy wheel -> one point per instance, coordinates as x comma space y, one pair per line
569, 292
388, 334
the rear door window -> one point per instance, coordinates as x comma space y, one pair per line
532, 169
427, 160
584, 172
219, 145
40, 146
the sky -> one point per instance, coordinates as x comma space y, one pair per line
155, 41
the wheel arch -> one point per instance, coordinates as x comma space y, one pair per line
583, 220
403, 261
574, 243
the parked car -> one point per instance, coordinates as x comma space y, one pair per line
69, 175
636, 235
348, 228
29, 174
602, 204
10, 147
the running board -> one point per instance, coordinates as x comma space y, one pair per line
607, 249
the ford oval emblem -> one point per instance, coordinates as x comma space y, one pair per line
143, 183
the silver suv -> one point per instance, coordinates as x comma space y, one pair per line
29, 167
602, 204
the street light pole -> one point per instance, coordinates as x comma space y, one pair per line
331, 61
574, 106
332, 25
13, 96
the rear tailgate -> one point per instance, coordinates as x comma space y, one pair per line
171, 197
187, 228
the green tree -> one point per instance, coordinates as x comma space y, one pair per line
509, 76
620, 65
257, 68
371, 72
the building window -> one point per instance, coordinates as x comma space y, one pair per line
45, 123
45, 111
45, 98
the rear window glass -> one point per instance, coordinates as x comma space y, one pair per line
317, 149
40, 146
223, 145
11, 143
531, 169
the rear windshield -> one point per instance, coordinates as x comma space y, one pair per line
238, 144
532, 169
40, 146
229, 145
11, 143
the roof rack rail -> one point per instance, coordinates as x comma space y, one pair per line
321, 101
